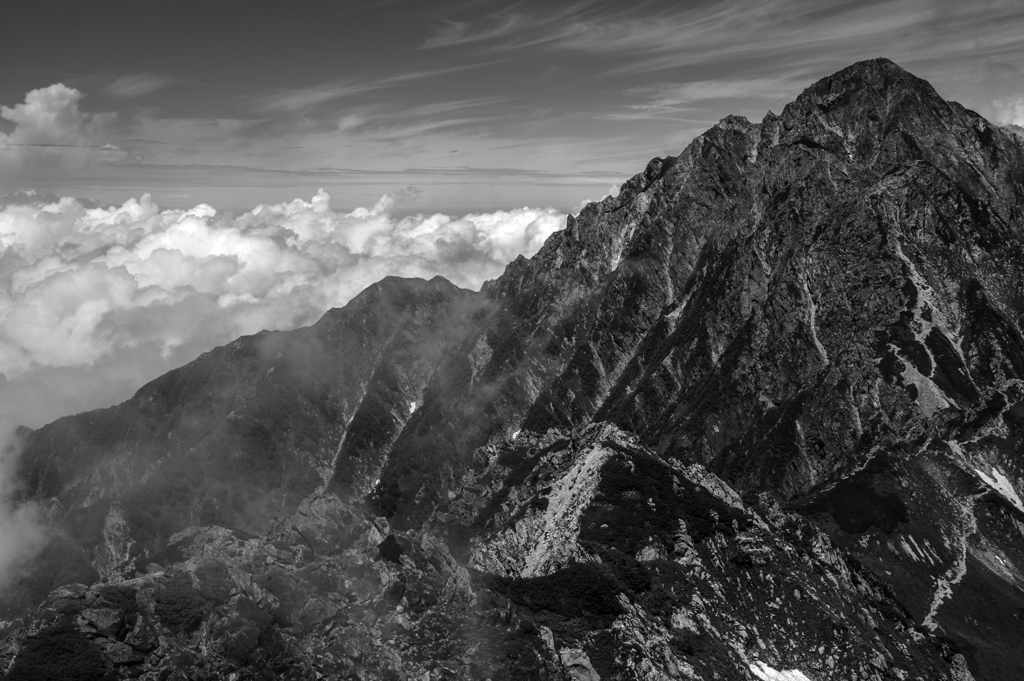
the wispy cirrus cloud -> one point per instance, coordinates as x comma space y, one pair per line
138, 85
301, 99
508, 28
684, 101
702, 90
287, 101
709, 58
464, 116
452, 33
654, 36
764, 35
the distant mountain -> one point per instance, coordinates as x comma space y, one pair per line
760, 414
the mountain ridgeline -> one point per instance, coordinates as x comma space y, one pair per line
760, 413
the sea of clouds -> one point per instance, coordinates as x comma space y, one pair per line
95, 301
80, 286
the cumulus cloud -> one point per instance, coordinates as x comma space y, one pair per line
50, 128
613, 190
82, 286
1010, 111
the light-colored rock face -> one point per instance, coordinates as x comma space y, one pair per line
114, 556
544, 541
758, 414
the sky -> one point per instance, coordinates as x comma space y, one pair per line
178, 174
479, 105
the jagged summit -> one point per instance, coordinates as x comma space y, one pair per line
761, 411
878, 76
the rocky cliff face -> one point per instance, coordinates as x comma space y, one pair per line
757, 415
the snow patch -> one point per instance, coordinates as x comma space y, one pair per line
931, 551
907, 550
515, 434
918, 548
412, 407
1001, 484
766, 673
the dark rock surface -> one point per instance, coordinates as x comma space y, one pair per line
759, 412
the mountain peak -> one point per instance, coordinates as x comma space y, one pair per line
863, 82
878, 66
878, 117
880, 75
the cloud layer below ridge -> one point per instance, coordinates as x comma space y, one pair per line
95, 301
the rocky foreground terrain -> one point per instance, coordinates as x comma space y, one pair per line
757, 417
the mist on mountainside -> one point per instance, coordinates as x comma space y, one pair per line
22, 530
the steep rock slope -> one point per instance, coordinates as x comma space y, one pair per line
759, 412
240, 436
826, 306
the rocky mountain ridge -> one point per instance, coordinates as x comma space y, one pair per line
757, 415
